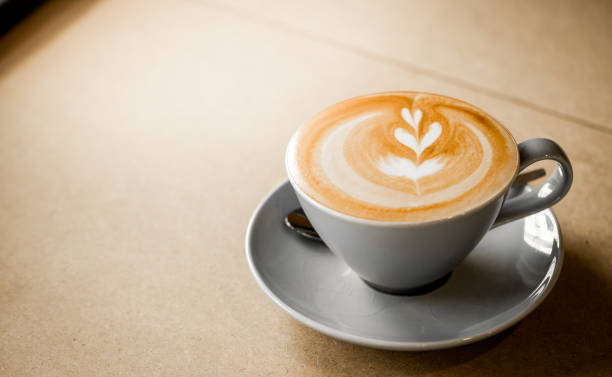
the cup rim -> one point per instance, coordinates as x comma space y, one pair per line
364, 221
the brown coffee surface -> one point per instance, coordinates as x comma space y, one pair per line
402, 157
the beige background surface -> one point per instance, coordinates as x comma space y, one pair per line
137, 137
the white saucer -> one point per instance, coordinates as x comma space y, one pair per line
506, 277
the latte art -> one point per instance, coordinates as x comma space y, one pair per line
402, 157
404, 167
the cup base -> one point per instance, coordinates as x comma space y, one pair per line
417, 291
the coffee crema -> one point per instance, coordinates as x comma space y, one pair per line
402, 157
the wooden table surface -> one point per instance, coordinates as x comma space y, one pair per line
137, 137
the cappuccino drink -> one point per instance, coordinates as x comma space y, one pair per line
402, 157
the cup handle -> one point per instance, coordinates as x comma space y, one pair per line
550, 192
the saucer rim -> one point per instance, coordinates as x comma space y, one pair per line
390, 344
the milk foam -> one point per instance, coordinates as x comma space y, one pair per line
402, 157
404, 167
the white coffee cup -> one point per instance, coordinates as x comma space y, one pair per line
401, 257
